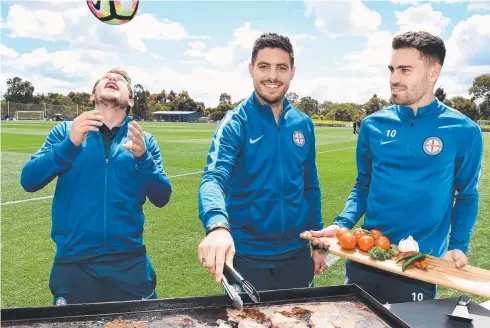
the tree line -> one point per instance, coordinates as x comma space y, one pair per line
145, 103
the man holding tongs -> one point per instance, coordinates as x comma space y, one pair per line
260, 187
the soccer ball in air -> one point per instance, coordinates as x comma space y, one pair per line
114, 12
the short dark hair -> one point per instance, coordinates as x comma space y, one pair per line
430, 46
273, 40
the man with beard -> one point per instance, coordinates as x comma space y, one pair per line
260, 187
418, 163
106, 168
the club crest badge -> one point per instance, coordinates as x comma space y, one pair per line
60, 301
298, 138
433, 146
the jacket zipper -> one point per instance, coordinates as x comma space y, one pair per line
105, 186
105, 198
409, 139
105, 183
281, 170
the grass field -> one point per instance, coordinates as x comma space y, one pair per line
173, 233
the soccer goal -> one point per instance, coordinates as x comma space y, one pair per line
29, 115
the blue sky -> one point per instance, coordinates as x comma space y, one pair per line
342, 48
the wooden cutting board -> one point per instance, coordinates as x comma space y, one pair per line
441, 272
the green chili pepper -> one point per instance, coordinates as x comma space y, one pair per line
406, 257
420, 256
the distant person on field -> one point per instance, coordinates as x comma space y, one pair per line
106, 168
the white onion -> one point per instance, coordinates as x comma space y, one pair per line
408, 245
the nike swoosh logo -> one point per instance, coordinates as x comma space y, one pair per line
252, 141
387, 142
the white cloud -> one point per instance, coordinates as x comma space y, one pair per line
7, 53
235, 52
343, 89
41, 83
79, 65
338, 18
422, 18
196, 49
455, 85
38, 24
297, 37
239, 49
467, 52
375, 56
245, 36
410, 2
479, 6
147, 27
74, 23
405, 2
191, 62
469, 43
197, 44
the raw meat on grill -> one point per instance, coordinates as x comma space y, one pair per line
250, 323
320, 314
255, 314
280, 321
125, 324
311, 315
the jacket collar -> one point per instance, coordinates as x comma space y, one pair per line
434, 108
266, 107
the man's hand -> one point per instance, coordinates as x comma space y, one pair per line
215, 250
329, 231
85, 122
456, 256
137, 140
319, 261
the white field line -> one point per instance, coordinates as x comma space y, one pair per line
26, 200
333, 150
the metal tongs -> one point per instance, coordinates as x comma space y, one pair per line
236, 300
247, 286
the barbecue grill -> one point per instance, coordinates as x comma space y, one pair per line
203, 311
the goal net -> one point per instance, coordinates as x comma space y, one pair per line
29, 115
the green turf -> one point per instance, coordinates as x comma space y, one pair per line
173, 233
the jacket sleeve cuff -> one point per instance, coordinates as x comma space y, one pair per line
461, 247
217, 219
343, 223
67, 150
143, 162
143, 158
